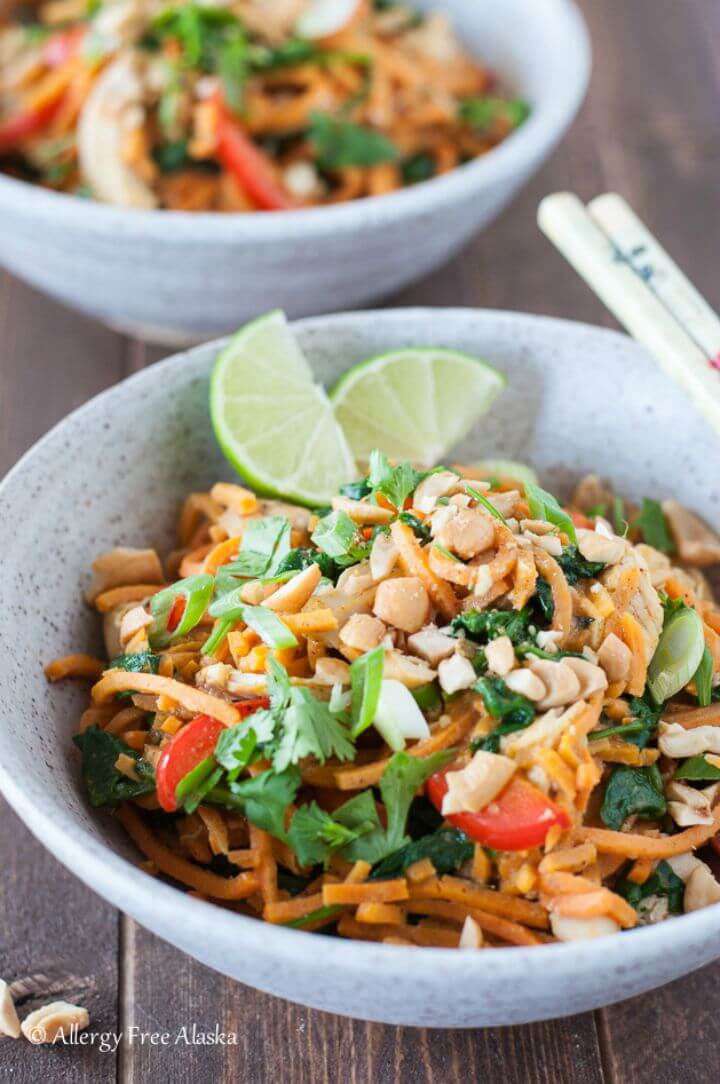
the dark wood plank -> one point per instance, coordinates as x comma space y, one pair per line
649, 130
57, 939
652, 113
276, 1040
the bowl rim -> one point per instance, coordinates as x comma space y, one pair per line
119, 880
549, 119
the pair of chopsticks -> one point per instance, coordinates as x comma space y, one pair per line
643, 287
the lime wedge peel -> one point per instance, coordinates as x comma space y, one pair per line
275, 426
414, 403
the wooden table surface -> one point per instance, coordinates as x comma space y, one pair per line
650, 130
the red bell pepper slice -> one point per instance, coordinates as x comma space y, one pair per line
249, 707
22, 126
253, 170
193, 743
62, 46
176, 613
519, 818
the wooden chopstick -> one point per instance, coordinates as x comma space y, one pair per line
639, 283
658, 270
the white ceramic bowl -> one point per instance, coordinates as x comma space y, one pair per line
578, 399
179, 277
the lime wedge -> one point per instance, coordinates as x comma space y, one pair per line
275, 426
414, 403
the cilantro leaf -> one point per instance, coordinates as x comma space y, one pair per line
309, 728
314, 834
107, 786
338, 537
484, 114
340, 143
395, 483
263, 798
265, 543
400, 781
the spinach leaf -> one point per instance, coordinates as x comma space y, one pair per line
653, 526
544, 598
447, 849
485, 625
105, 784
516, 712
340, 143
420, 530
143, 662
647, 713
356, 491
661, 882
170, 157
298, 559
633, 790
697, 768
575, 566
418, 167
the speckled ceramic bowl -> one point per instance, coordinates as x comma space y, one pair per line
85, 488
179, 277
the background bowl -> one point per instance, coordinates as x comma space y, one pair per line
179, 277
85, 487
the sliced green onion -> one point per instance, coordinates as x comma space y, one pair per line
197, 592
194, 777
544, 506
620, 731
446, 553
398, 716
218, 634
271, 630
427, 697
322, 912
703, 679
365, 681
197, 796
678, 654
488, 505
653, 526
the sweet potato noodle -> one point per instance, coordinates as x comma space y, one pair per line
241, 105
446, 711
